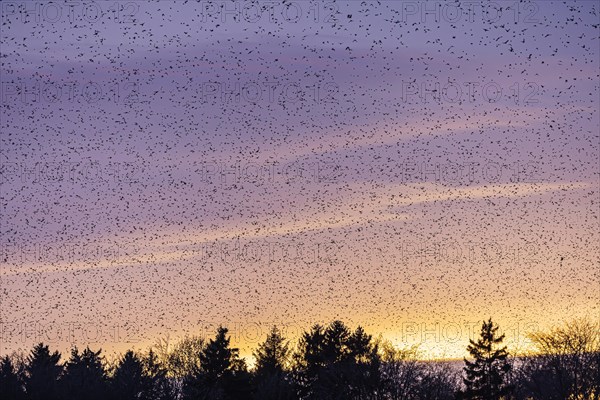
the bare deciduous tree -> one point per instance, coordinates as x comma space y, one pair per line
566, 364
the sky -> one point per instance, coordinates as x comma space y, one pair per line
168, 167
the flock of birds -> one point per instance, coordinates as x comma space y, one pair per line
427, 169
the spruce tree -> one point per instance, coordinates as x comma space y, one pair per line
271, 377
222, 374
84, 376
42, 373
217, 358
273, 354
11, 382
487, 374
127, 381
336, 363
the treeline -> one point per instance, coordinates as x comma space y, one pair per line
328, 362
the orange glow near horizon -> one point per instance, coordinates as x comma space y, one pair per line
178, 202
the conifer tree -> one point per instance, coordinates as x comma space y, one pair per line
336, 363
42, 373
487, 374
127, 381
222, 374
271, 378
84, 376
11, 382
273, 354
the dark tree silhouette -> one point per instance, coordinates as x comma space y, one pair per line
157, 385
128, 381
486, 375
333, 363
84, 376
566, 365
272, 356
400, 370
141, 378
272, 380
42, 373
437, 381
184, 358
11, 380
180, 360
404, 376
222, 374
364, 364
329, 363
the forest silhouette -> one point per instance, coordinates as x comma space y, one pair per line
327, 362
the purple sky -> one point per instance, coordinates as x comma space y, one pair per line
146, 184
